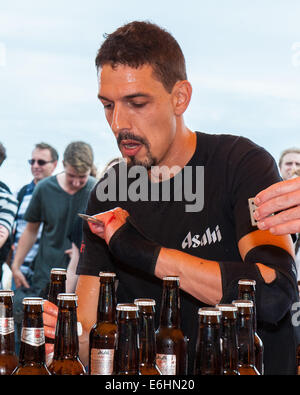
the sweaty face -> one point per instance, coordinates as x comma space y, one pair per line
41, 171
290, 165
140, 113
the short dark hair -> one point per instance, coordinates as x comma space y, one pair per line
143, 43
2, 153
53, 152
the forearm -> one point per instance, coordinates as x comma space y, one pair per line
25, 243
200, 278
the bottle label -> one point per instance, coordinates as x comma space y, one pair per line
166, 363
6, 326
33, 336
102, 361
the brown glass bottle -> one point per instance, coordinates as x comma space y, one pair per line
8, 358
171, 344
245, 337
298, 359
65, 358
229, 339
57, 285
247, 292
208, 359
103, 334
127, 344
32, 350
147, 337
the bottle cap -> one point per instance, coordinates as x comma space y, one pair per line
127, 307
209, 311
171, 278
226, 307
58, 270
247, 282
65, 296
243, 303
33, 301
144, 302
107, 274
6, 293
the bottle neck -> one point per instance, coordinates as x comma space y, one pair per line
229, 344
107, 302
56, 287
66, 336
147, 340
32, 349
248, 293
127, 346
7, 329
246, 355
209, 359
170, 311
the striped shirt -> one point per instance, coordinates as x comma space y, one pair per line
8, 209
20, 222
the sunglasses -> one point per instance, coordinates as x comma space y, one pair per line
40, 162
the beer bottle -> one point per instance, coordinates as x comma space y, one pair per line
57, 285
147, 337
298, 359
127, 344
103, 333
65, 358
171, 344
229, 339
245, 337
32, 349
208, 359
8, 358
247, 292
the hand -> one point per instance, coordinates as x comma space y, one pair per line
112, 221
284, 195
19, 277
49, 317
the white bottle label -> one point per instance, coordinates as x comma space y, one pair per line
102, 361
6, 325
166, 363
33, 336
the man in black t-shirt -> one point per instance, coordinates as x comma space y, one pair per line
200, 229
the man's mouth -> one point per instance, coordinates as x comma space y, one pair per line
130, 147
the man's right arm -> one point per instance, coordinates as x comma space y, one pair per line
26, 242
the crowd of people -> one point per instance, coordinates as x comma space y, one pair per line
145, 92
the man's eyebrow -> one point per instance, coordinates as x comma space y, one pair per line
127, 97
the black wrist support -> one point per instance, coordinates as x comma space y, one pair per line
273, 299
131, 246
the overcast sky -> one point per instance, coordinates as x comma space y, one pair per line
243, 60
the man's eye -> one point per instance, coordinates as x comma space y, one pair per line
107, 106
138, 105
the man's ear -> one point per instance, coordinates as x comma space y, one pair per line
182, 93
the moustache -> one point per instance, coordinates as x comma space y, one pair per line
130, 136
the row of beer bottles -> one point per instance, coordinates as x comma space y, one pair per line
114, 347
124, 341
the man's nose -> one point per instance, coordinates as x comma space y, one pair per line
76, 182
120, 119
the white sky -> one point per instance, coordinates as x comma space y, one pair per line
243, 60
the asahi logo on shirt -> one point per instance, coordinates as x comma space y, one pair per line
208, 237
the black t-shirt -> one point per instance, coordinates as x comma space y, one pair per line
235, 169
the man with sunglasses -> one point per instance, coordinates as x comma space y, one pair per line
42, 164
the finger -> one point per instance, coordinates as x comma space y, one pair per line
50, 308
280, 188
286, 228
49, 331
276, 204
49, 348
